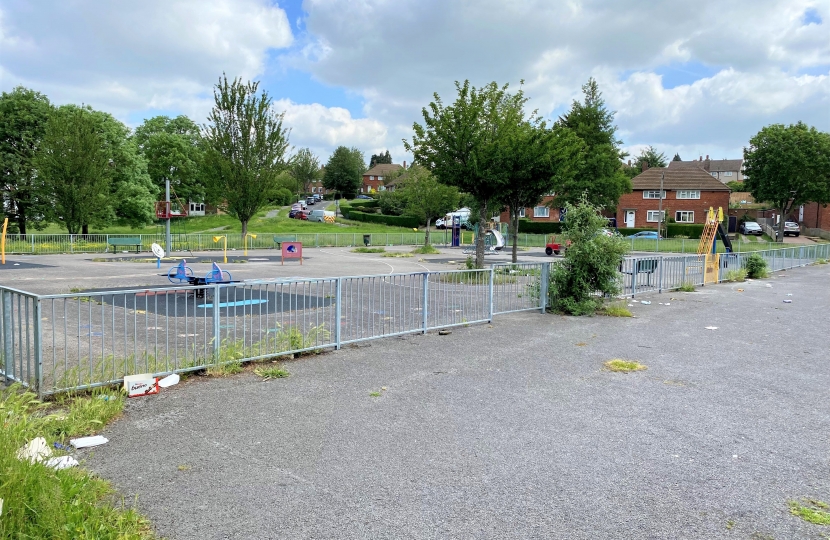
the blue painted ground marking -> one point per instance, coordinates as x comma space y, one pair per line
234, 304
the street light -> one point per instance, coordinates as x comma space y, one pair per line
245, 241
225, 248
660, 211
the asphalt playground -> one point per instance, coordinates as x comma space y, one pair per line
509, 430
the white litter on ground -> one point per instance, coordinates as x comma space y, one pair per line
646, 302
769, 285
35, 450
86, 442
62, 462
788, 301
711, 327
170, 380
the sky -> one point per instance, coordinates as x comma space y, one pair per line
695, 78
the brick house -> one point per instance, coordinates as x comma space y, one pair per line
544, 211
373, 179
725, 170
688, 192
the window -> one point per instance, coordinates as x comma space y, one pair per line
684, 216
653, 194
714, 174
651, 215
728, 173
522, 212
688, 194
380, 178
371, 178
541, 211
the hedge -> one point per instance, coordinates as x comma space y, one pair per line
539, 227
689, 231
628, 231
395, 221
365, 203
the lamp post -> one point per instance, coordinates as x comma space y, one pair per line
660, 210
225, 247
245, 241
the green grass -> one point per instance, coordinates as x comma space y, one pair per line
623, 366
426, 249
271, 372
397, 254
616, 310
687, 287
811, 511
40, 502
821, 261
736, 275
375, 394
369, 250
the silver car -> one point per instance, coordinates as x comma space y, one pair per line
750, 227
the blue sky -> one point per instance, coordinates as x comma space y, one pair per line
683, 76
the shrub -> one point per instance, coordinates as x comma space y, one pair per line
756, 267
736, 275
590, 264
628, 231
395, 221
676, 230
687, 286
362, 204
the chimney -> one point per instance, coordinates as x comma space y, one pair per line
404, 164
700, 158
645, 166
707, 157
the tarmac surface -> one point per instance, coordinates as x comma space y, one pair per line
509, 430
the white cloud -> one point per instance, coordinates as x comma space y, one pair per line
123, 56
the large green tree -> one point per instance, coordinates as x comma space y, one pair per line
23, 117
463, 144
540, 160
426, 198
601, 176
788, 166
174, 151
246, 148
378, 159
651, 157
344, 171
73, 162
305, 169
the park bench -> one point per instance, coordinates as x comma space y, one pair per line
114, 242
278, 240
643, 266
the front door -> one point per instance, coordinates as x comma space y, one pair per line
629, 218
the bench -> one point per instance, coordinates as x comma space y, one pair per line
278, 240
125, 242
644, 266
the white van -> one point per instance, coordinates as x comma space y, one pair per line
320, 215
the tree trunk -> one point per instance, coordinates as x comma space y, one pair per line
426, 236
85, 229
514, 226
482, 220
244, 228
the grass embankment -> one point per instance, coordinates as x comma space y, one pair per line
40, 502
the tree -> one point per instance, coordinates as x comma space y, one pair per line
344, 171
676, 157
174, 151
541, 159
380, 158
591, 263
23, 117
73, 162
651, 157
788, 166
462, 144
305, 168
600, 176
246, 146
426, 198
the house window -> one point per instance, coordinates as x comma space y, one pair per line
522, 212
380, 178
371, 178
652, 215
541, 211
728, 173
684, 216
653, 194
714, 174
688, 194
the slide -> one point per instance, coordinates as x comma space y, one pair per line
727, 243
499, 239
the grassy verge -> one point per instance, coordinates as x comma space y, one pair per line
426, 249
40, 502
369, 250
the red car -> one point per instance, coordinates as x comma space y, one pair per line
302, 214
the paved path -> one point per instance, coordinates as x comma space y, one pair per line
508, 431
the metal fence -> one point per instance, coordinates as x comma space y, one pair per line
45, 244
61, 342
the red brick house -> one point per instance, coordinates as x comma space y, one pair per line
688, 192
373, 179
541, 212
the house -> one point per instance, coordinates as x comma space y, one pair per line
688, 192
815, 216
541, 212
725, 170
373, 179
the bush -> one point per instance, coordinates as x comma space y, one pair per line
396, 221
676, 230
628, 231
362, 204
736, 275
391, 203
527, 226
282, 197
756, 267
590, 265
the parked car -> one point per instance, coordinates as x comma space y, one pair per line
320, 215
610, 232
317, 197
294, 211
310, 201
790, 229
302, 204
363, 197
645, 235
750, 227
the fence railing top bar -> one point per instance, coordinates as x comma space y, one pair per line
18, 291
165, 289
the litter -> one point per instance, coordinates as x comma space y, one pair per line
789, 294
35, 450
667, 304
711, 327
106, 397
635, 301
788, 301
740, 290
444, 332
86, 442
769, 285
645, 302
170, 380
661, 303
630, 305
141, 385
60, 446
1, 507
62, 462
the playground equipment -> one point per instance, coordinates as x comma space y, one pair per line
245, 240
225, 246
166, 211
181, 273
493, 242
707, 248
554, 248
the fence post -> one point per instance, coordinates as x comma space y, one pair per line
543, 287
633, 277
71, 244
38, 348
492, 279
425, 303
660, 277
338, 324
8, 352
216, 320
33, 243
